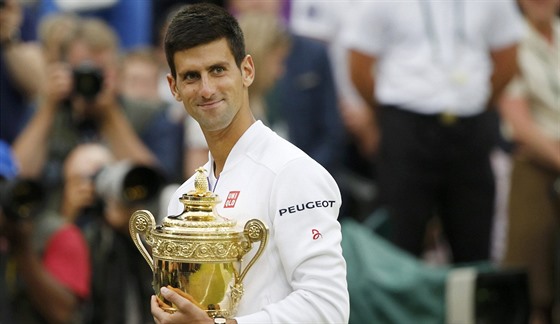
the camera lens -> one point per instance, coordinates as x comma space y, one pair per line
88, 80
20, 198
128, 182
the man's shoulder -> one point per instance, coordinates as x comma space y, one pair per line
281, 159
274, 152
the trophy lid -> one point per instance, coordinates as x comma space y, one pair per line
199, 215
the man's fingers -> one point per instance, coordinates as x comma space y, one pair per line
161, 303
185, 295
179, 301
157, 312
186, 311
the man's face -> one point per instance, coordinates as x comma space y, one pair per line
210, 85
139, 80
80, 52
540, 10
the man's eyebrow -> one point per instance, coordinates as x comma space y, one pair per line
218, 64
183, 74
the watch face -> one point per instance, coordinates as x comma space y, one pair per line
219, 320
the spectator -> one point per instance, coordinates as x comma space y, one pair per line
116, 264
139, 73
76, 109
305, 102
432, 72
21, 73
45, 269
268, 43
78, 192
531, 109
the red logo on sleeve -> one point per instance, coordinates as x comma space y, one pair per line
316, 234
231, 199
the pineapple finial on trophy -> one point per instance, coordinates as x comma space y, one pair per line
200, 201
201, 182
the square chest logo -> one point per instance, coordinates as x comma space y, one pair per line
231, 199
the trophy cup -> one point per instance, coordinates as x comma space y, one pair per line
198, 251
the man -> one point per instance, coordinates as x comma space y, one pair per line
44, 259
103, 217
80, 103
301, 276
432, 69
531, 109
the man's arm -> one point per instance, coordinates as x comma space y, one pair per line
31, 146
25, 64
308, 243
362, 121
122, 139
361, 74
505, 67
532, 142
24, 61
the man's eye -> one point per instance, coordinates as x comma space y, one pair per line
219, 69
191, 76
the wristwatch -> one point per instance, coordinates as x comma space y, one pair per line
218, 319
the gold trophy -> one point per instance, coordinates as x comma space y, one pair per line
198, 251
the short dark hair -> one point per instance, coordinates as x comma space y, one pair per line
199, 24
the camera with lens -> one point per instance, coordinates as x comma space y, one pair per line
21, 198
128, 183
88, 80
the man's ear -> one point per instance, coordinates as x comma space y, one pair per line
247, 70
173, 87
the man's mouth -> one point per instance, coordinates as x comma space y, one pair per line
210, 104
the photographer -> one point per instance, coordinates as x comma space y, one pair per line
44, 260
79, 105
101, 195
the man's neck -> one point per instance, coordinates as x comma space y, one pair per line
220, 143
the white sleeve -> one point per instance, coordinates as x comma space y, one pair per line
305, 204
364, 27
506, 26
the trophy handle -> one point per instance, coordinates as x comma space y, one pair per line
142, 222
255, 231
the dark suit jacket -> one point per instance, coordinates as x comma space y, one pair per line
305, 99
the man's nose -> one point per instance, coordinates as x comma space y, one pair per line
207, 87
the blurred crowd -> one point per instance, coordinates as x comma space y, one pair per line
442, 117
